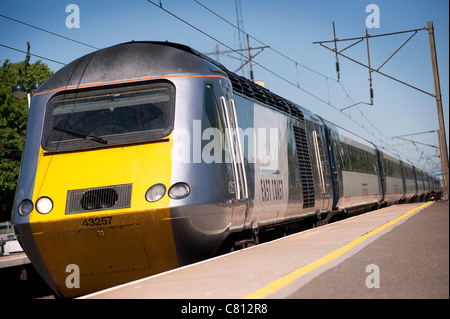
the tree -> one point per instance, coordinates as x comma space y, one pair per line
13, 124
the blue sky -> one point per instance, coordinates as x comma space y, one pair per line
289, 27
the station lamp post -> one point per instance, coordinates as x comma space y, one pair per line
19, 91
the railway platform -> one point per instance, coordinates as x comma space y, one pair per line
12, 260
401, 251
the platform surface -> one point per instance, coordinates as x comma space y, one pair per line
403, 249
12, 260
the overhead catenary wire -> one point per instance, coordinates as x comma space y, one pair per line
47, 31
302, 65
379, 138
35, 55
382, 137
297, 85
237, 52
184, 21
206, 34
261, 42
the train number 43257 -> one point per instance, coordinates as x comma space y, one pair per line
98, 221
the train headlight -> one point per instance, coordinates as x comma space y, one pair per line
155, 193
44, 205
179, 190
25, 207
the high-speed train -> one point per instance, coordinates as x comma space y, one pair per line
146, 156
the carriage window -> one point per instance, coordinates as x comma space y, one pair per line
120, 115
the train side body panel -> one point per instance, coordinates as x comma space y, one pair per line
409, 181
392, 178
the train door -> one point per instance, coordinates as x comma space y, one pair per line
237, 156
318, 138
332, 164
382, 174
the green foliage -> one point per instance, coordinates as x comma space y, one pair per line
13, 124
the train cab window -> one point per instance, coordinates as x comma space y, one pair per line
98, 117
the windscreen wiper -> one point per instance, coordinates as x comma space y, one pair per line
85, 136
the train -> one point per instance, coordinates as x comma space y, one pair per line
146, 156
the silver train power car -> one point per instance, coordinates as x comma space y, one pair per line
146, 156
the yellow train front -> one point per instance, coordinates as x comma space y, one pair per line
92, 207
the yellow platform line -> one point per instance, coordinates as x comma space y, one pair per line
282, 282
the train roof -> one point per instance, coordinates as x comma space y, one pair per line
127, 61
396, 158
350, 138
247, 87
136, 59
389, 155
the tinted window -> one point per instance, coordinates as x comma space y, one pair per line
100, 117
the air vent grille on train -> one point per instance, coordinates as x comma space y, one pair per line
101, 198
304, 163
